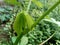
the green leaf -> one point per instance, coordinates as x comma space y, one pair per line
19, 23
24, 40
39, 4
29, 20
22, 21
13, 39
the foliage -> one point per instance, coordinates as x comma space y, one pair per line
27, 13
39, 19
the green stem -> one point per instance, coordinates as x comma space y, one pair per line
29, 6
18, 39
46, 13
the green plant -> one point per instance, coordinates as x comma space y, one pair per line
25, 26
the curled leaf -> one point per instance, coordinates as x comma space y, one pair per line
22, 21
19, 23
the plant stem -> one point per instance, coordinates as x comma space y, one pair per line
18, 39
29, 6
46, 13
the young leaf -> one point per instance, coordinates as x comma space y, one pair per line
19, 23
22, 20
